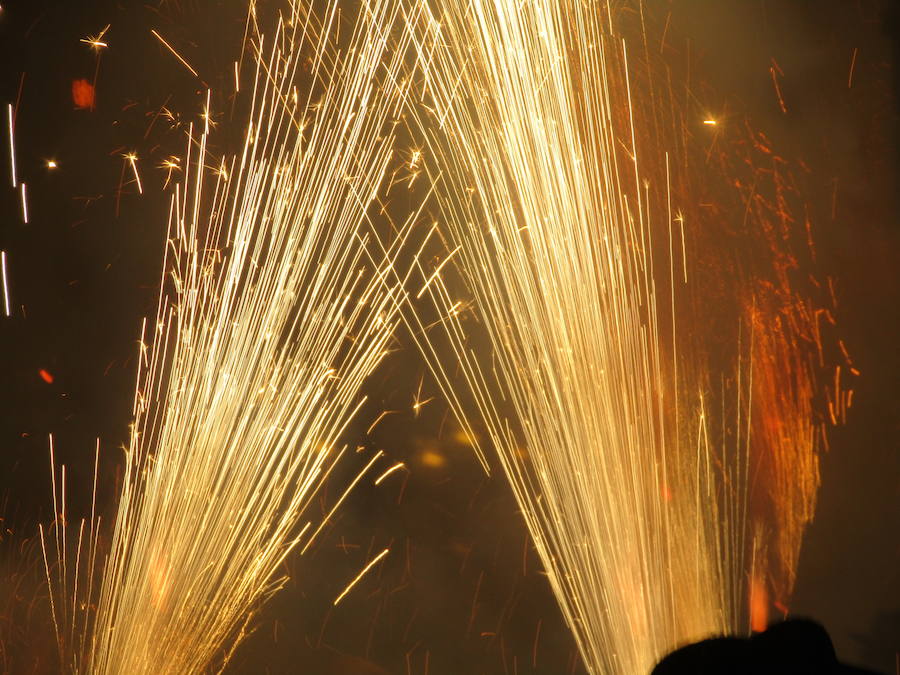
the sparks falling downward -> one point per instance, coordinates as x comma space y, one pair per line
272, 316
629, 457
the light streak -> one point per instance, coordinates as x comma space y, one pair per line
132, 160
384, 413
437, 271
359, 576
396, 467
775, 71
12, 144
5, 283
176, 54
24, 197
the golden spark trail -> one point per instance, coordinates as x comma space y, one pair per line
359, 576
561, 225
273, 313
175, 53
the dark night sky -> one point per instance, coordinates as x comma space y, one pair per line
462, 588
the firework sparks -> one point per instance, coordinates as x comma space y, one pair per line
12, 144
359, 576
96, 42
175, 53
559, 221
396, 467
5, 283
273, 313
24, 197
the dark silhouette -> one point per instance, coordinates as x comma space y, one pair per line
793, 647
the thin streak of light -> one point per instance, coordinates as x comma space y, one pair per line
5, 283
396, 467
132, 159
12, 145
176, 54
24, 203
437, 271
775, 70
359, 576
378, 419
340, 500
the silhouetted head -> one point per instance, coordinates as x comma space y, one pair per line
709, 657
793, 647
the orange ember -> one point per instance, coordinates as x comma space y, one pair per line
759, 605
83, 94
45, 376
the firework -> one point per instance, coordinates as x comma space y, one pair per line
629, 450
272, 315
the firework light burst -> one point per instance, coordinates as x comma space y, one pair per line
653, 398
273, 313
630, 449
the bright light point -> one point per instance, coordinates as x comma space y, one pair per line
96, 41
711, 123
51, 164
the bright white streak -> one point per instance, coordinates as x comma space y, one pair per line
24, 204
12, 145
5, 283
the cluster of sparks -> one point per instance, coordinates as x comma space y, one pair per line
632, 468
544, 201
273, 313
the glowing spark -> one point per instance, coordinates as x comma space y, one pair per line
437, 271
5, 283
384, 413
852, 66
340, 501
418, 403
176, 54
132, 160
396, 467
51, 164
24, 203
775, 71
710, 122
359, 576
96, 41
12, 145
171, 164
